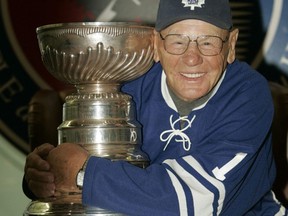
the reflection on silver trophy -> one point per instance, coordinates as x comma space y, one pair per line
96, 58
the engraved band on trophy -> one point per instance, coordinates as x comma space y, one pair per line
96, 57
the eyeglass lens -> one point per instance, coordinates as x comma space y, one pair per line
208, 45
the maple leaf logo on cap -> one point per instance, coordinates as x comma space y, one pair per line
193, 3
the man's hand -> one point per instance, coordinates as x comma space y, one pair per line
37, 172
65, 161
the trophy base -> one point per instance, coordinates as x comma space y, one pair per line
65, 205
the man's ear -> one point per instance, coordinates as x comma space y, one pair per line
232, 45
156, 45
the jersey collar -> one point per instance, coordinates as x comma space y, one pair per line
169, 101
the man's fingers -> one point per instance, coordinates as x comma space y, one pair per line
37, 175
36, 162
41, 176
41, 183
36, 159
42, 190
43, 150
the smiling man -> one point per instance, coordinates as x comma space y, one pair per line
206, 121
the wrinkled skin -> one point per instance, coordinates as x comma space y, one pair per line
65, 161
37, 172
193, 75
50, 171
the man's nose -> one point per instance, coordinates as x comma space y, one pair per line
192, 55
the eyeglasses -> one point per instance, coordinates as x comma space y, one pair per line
177, 44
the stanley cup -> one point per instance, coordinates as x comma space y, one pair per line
96, 57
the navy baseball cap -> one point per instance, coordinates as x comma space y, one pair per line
215, 12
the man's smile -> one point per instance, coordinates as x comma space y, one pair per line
192, 75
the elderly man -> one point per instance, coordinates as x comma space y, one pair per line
206, 127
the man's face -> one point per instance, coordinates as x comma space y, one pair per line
192, 75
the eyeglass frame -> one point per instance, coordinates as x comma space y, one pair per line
196, 41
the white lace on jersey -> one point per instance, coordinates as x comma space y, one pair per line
168, 135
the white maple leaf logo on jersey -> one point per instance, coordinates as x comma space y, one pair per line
193, 3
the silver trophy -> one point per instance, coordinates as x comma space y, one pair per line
96, 58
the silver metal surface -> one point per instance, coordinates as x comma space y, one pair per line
96, 58
81, 53
69, 204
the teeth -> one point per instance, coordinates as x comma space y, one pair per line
193, 75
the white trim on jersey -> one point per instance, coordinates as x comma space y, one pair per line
165, 92
220, 173
282, 210
208, 193
180, 194
169, 100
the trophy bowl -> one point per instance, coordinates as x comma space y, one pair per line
96, 58
96, 52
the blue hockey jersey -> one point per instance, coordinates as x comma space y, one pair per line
219, 163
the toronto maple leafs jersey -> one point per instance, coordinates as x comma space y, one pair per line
215, 161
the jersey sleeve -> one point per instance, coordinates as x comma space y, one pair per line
125, 188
